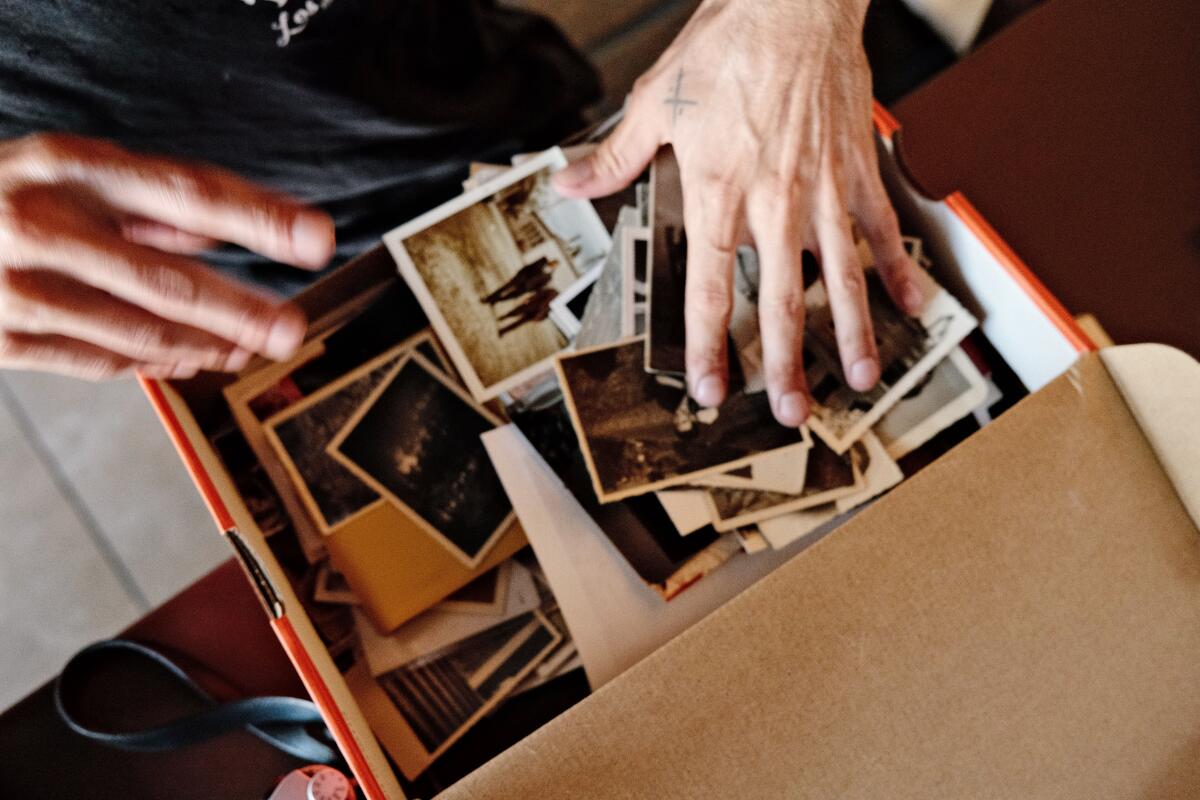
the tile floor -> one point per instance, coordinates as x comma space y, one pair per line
99, 522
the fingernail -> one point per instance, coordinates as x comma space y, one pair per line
184, 370
863, 374
285, 337
914, 298
792, 409
708, 391
574, 174
312, 238
237, 360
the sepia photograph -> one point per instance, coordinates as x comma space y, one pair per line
487, 265
781, 471
950, 392
667, 267
422, 708
909, 348
415, 441
828, 476
880, 473
642, 432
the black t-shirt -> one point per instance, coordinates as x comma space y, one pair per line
368, 108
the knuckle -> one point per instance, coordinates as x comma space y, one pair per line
100, 369
846, 283
249, 326
780, 186
274, 223
788, 305
609, 159
170, 286
709, 298
147, 340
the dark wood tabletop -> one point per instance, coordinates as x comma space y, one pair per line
1076, 133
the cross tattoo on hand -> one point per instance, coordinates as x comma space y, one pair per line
676, 100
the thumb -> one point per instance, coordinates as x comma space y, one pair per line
615, 163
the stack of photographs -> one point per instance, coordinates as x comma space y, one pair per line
732, 474
361, 461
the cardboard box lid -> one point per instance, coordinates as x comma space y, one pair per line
1021, 619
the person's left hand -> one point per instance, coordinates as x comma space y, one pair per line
767, 104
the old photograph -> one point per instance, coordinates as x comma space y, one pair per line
485, 595
950, 392
331, 587
440, 626
781, 471
909, 348
602, 318
665, 335
332, 494
635, 260
487, 265
642, 432
422, 708
567, 309
880, 473
743, 320
415, 441
828, 477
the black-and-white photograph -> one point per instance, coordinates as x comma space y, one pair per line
950, 392
415, 441
487, 265
665, 334
441, 697
909, 348
332, 494
828, 476
635, 263
641, 432
601, 320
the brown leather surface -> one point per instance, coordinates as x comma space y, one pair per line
1076, 133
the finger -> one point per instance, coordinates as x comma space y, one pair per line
615, 163
52, 234
777, 222
879, 225
62, 355
712, 212
846, 285
45, 302
202, 200
152, 233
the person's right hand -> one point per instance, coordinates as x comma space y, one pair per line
96, 274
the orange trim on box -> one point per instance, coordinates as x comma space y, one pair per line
333, 716
191, 460
1020, 272
885, 123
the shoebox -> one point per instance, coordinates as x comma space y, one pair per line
1018, 619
